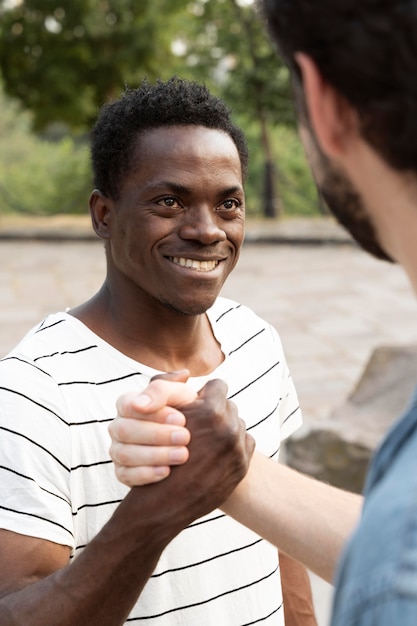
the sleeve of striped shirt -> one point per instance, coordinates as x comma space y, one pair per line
35, 454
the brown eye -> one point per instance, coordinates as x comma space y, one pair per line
230, 204
170, 202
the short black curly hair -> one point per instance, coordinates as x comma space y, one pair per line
175, 102
366, 49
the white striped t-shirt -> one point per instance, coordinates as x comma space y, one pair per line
58, 390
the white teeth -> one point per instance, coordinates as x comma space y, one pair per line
200, 266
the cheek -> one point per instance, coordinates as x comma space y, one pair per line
236, 239
237, 234
126, 247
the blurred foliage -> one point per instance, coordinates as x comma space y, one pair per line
295, 187
39, 176
44, 177
61, 59
225, 42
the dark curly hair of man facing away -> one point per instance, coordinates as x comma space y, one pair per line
367, 50
175, 102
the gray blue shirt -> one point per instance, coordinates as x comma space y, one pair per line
376, 583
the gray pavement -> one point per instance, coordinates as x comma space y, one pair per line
331, 303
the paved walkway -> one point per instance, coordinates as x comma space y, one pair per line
332, 304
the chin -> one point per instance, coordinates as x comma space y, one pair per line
191, 309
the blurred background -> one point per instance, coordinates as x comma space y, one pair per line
60, 60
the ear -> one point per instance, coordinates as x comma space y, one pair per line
100, 211
333, 120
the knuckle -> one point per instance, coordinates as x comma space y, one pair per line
111, 451
124, 476
124, 428
118, 428
120, 454
123, 402
112, 429
218, 385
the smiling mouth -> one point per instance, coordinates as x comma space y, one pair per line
199, 266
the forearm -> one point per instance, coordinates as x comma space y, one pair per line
296, 592
104, 582
307, 519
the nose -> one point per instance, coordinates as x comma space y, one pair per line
202, 225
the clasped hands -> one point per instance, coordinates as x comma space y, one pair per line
169, 424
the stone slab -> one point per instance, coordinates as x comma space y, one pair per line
339, 450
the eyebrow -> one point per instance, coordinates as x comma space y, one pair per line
176, 187
181, 189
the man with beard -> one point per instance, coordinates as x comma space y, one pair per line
353, 64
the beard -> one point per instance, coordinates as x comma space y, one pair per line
344, 201
346, 204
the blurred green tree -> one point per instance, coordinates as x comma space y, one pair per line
63, 58
39, 177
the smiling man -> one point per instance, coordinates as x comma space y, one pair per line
169, 167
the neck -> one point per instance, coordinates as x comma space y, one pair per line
159, 338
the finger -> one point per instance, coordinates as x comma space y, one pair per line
214, 388
128, 455
139, 476
180, 376
157, 395
166, 415
143, 432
